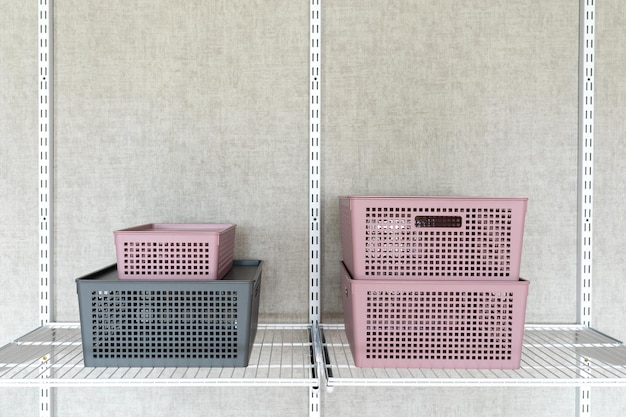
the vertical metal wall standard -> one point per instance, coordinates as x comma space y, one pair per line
45, 158
585, 178
314, 173
314, 190
585, 163
45, 187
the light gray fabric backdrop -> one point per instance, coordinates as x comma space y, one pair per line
198, 112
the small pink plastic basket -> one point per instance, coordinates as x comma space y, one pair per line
434, 324
428, 238
175, 251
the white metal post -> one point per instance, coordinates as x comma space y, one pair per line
314, 189
585, 168
45, 188
314, 173
45, 159
585, 178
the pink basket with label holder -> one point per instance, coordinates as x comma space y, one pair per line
432, 238
175, 251
434, 324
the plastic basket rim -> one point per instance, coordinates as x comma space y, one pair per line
96, 276
151, 228
440, 282
447, 197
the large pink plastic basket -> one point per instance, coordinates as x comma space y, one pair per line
434, 324
175, 251
426, 238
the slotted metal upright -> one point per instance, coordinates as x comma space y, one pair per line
54, 349
314, 190
46, 133
585, 178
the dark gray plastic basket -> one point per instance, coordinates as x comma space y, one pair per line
169, 323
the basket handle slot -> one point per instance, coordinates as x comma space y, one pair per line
438, 221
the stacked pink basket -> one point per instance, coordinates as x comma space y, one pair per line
433, 282
171, 251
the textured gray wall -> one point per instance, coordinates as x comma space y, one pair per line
609, 291
198, 112
450, 402
19, 164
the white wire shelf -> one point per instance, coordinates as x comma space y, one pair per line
552, 355
282, 355
287, 355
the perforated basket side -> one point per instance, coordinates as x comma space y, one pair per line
225, 252
168, 323
171, 251
435, 324
426, 238
347, 232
